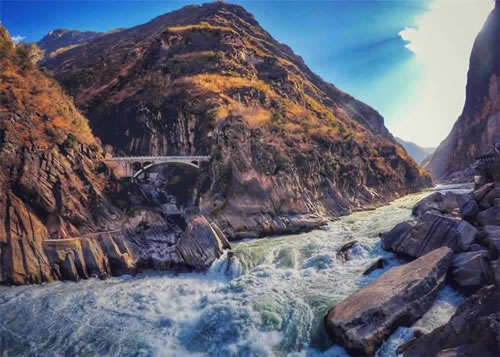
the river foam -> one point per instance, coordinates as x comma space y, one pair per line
269, 298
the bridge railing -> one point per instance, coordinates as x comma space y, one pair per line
159, 158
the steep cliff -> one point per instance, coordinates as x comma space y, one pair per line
478, 127
288, 149
59, 215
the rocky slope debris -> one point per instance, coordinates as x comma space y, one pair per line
399, 297
288, 150
478, 127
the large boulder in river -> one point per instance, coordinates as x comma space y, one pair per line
471, 270
201, 244
492, 240
430, 231
474, 330
399, 297
432, 202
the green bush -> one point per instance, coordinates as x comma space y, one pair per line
71, 141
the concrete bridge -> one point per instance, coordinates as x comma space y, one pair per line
134, 166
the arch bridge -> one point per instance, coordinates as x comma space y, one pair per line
134, 166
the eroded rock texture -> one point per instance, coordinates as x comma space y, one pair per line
399, 297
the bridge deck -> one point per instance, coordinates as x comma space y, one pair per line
159, 158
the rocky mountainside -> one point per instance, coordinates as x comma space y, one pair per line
478, 127
417, 152
288, 149
60, 40
60, 206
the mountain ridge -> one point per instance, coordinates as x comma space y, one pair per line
289, 150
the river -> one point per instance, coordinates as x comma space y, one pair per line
267, 300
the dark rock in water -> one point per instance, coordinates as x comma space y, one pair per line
200, 245
472, 331
399, 297
489, 217
471, 271
430, 203
430, 231
378, 264
345, 253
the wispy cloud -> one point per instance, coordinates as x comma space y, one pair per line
442, 41
17, 38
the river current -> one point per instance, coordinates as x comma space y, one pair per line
269, 299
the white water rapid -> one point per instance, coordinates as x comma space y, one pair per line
269, 299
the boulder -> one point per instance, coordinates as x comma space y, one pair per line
471, 271
489, 198
472, 331
492, 240
430, 203
399, 297
343, 253
489, 217
467, 206
450, 203
430, 231
200, 245
482, 191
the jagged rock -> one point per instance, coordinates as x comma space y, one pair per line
482, 191
471, 271
489, 217
343, 253
468, 206
490, 197
200, 245
428, 232
492, 240
472, 331
450, 203
432, 202
361, 322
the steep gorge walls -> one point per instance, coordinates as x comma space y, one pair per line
288, 149
478, 127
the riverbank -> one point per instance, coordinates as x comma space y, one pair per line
269, 298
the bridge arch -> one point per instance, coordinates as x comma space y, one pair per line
145, 168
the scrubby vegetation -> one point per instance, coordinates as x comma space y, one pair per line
24, 88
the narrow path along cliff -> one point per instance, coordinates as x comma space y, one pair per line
267, 298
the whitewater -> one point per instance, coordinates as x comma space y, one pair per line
266, 298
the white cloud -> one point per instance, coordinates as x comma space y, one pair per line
442, 41
17, 39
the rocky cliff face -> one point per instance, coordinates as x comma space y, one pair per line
56, 192
60, 40
478, 127
288, 149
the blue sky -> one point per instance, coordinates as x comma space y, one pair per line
395, 55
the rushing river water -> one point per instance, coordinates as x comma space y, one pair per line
270, 299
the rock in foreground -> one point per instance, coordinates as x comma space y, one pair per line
472, 331
399, 297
